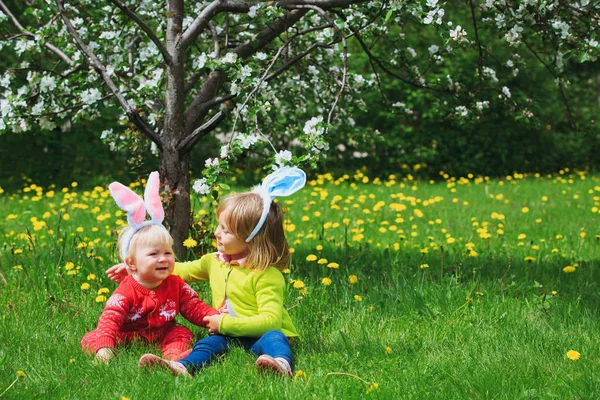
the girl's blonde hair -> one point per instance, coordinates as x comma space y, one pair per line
148, 235
269, 247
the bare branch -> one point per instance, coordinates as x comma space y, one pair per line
133, 16
200, 23
188, 143
50, 46
480, 59
99, 67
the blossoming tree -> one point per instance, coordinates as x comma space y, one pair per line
273, 73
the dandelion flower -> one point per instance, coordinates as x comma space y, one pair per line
85, 286
521, 236
190, 243
300, 374
311, 257
388, 350
352, 279
322, 261
333, 265
103, 290
100, 299
326, 281
298, 284
568, 269
358, 298
21, 374
373, 387
529, 259
525, 210
91, 277
573, 355
424, 266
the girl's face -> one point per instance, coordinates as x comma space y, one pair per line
227, 242
152, 264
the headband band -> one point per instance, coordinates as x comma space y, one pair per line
136, 207
283, 182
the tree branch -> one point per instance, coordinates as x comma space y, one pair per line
99, 67
186, 145
200, 23
133, 16
20, 27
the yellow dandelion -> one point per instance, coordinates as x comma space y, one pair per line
573, 355
66, 217
85, 286
352, 279
333, 265
424, 266
529, 259
388, 350
69, 266
358, 298
303, 292
300, 374
72, 361
190, 243
525, 210
326, 281
21, 374
91, 277
100, 299
521, 236
322, 261
568, 269
18, 268
311, 257
373, 387
298, 284
103, 290
319, 247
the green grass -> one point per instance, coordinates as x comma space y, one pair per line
482, 320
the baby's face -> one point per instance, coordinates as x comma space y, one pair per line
152, 264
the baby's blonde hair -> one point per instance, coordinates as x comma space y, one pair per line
148, 235
269, 247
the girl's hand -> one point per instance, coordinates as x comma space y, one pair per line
117, 272
104, 355
212, 323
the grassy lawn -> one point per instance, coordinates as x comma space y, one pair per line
459, 288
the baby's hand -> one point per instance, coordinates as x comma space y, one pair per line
104, 355
212, 323
117, 272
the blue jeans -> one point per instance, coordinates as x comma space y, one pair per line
273, 343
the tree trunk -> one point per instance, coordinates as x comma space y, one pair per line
174, 170
174, 167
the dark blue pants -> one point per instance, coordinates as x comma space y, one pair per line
273, 343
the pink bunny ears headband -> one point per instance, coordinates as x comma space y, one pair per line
283, 182
136, 207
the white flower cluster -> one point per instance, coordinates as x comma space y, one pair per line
311, 126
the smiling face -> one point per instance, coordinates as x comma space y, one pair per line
151, 258
152, 264
227, 242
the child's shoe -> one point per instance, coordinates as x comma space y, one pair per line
177, 368
278, 365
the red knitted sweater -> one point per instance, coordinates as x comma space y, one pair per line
133, 308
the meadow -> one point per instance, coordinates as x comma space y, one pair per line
462, 287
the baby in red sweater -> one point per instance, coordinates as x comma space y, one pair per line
145, 304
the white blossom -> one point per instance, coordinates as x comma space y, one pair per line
229, 58
282, 156
47, 83
310, 127
90, 96
201, 187
506, 91
433, 49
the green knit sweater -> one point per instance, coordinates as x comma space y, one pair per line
254, 298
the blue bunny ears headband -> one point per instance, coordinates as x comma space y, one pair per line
283, 182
